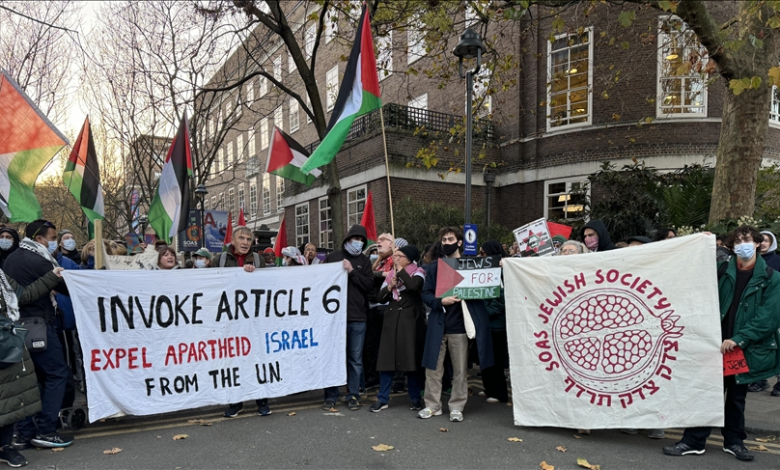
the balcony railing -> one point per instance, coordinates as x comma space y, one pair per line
412, 119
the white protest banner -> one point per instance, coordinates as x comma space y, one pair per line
627, 338
161, 341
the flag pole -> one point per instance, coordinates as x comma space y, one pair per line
387, 170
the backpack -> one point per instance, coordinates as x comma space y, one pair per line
255, 257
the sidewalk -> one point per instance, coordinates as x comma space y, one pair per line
762, 412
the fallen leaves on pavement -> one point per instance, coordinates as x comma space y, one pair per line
560, 449
767, 439
546, 466
112, 451
292, 413
58, 449
515, 439
200, 422
179, 437
759, 448
382, 448
584, 463
443, 430
577, 437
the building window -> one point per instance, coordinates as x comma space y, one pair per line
239, 147
252, 166
415, 40
250, 93
311, 34
263, 86
229, 156
290, 63
214, 203
278, 69
266, 193
471, 16
564, 199
681, 88
384, 58
302, 224
241, 196
263, 133
206, 204
294, 120
232, 204
326, 230
279, 194
482, 100
418, 109
331, 26
222, 201
250, 140
308, 105
331, 87
220, 161
774, 110
356, 202
252, 199
279, 118
570, 80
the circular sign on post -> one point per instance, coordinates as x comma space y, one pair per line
471, 236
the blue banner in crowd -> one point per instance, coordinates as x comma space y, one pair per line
215, 225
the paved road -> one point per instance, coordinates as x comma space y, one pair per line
314, 439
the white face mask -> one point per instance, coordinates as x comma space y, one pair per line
52, 246
6, 244
69, 244
200, 263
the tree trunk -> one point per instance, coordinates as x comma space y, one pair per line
337, 219
740, 150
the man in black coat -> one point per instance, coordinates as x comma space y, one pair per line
361, 280
26, 265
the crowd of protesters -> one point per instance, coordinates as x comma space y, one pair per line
400, 335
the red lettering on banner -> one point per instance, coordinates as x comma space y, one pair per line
117, 359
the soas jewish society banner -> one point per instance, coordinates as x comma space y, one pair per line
627, 338
161, 341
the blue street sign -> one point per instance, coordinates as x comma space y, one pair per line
470, 239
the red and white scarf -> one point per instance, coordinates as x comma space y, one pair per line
412, 270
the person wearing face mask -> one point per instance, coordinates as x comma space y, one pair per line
749, 293
767, 250
596, 237
450, 325
9, 242
67, 246
32, 261
361, 280
201, 259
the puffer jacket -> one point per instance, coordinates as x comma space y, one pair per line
757, 321
19, 396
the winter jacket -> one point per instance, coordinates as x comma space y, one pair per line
4, 254
433, 337
605, 243
496, 309
757, 319
19, 396
403, 328
361, 279
26, 267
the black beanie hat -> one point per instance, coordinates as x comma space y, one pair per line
411, 252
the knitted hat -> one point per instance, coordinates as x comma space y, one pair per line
411, 252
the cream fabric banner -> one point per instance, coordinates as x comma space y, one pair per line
628, 338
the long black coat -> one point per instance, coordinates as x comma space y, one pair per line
403, 328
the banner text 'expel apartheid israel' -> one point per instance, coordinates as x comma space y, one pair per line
161, 341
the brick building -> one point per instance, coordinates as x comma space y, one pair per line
584, 93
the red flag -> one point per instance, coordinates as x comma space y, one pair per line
241, 219
558, 229
368, 221
280, 243
228, 233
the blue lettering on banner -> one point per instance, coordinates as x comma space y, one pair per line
289, 340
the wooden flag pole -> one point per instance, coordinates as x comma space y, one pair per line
387, 170
99, 262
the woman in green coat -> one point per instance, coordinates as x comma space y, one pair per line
19, 396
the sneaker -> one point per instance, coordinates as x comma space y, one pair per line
428, 413
656, 434
415, 405
776, 390
378, 406
680, 449
329, 405
233, 411
52, 440
456, 415
264, 410
13, 458
353, 404
482, 394
759, 386
631, 431
492, 400
21, 443
740, 452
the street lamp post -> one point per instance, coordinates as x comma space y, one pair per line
200, 193
143, 220
469, 47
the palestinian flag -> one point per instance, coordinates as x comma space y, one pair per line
241, 219
171, 205
228, 233
28, 141
82, 177
368, 221
280, 243
285, 158
359, 95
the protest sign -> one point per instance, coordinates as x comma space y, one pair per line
534, 239
215, 225
625, 338
469, 278
734, 362
191, 239
161, 341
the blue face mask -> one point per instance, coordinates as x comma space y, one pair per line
357, 244
6, 244
52, 246
745, 251
200, 263
373, 258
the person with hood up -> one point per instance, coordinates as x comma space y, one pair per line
767, 250
596, 237
9, 242
361, 280
493, 378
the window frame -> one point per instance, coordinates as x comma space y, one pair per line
294, 117
357, 202
277, 65
413, 32
279, 194
659, 114
551, 128
266, 193
384, 57
568, 182
331, 90
279, 117
264, 139
252, 199
300, 239
325, 236
240, 195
